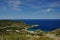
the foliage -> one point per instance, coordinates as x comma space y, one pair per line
17, 31
40, 32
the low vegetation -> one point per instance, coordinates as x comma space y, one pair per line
17, 30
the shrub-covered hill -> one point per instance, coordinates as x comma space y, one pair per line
15, 30
12, 25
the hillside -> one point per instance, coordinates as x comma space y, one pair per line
56, 32
12, 25
17, 30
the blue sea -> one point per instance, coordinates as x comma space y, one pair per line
44, 24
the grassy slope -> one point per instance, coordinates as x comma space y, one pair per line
19, 32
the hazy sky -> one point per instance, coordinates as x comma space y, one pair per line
29, 9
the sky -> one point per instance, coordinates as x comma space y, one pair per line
29, 9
